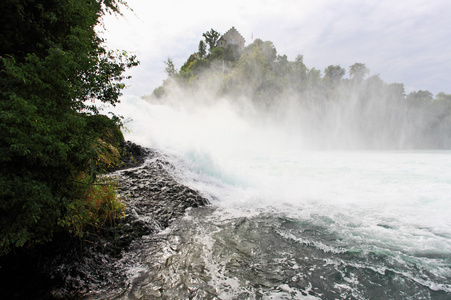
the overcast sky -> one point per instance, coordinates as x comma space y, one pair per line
404, 41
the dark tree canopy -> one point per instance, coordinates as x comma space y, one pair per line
202, 49
358, 71
53, 66
334, 73
211, 38
170, 67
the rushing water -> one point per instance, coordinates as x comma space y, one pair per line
291, 223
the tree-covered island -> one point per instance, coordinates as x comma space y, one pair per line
359, 107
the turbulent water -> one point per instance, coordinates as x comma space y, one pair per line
289, 222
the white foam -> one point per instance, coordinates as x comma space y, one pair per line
398, 201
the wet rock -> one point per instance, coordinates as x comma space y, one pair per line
133, 155
92, 266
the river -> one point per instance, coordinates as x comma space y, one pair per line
288, 221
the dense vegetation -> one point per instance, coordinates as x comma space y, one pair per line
357, 111
54, 70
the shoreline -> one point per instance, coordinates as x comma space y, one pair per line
96, 265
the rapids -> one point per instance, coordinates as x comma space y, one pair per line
287, 221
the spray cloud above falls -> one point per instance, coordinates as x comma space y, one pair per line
334, 108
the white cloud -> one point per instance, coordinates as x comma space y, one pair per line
403, 41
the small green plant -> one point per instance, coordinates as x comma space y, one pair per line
99, 206
108, 156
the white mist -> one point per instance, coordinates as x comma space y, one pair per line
392, 202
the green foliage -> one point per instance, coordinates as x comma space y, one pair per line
217, 53
158, 92
202, 49
253, 65
267, 48
53, 66
188, 65
170, 67
232, 53
358, 71
369, 105
211, 38
98, 207
442, 97
334, 73
420, 96
108, 140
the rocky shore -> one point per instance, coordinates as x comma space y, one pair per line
154, 197
95, 266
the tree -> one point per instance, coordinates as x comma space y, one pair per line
334, 73
419, 98
299, 71
443, 97
53, 67
282, 65
395, 91
170, 67
253, 66
231, 53
314, 76
267, 48
211, 38
358, 71
202, 49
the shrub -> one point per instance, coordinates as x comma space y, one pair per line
99, 206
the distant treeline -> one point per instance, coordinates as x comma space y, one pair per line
360, 110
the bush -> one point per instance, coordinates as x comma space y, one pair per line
52, 65
98, 207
